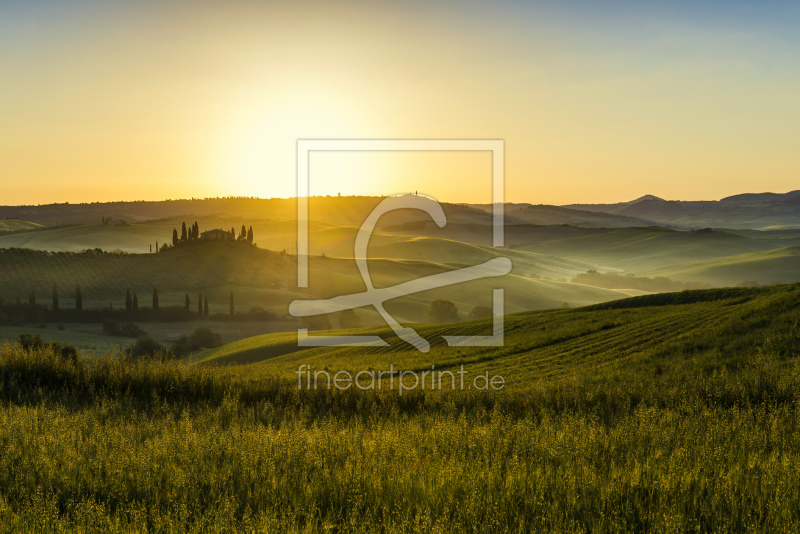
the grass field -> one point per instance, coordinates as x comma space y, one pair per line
89, 344
607, 428
14, 225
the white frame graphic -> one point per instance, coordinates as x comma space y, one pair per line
304, 149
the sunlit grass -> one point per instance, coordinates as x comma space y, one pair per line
688, 440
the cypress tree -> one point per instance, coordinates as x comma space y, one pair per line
55, 298
174, 237
183, 233
243, 235
187, 302
128, 300
78, 298
135, 303
231, 303
156, 246
205, 310
250, 235
155, 298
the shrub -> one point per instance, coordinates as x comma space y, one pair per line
480, 312
30, 341
34, 342
111, 327
68, 352
146, 346
443, 311
131, 330
204, 337
201, 338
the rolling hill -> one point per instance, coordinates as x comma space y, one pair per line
771, 267
638, 333
641, 250
264, 278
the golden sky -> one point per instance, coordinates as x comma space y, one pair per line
152, 100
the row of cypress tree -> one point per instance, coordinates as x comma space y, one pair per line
132, 301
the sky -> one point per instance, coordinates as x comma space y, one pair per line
596, 101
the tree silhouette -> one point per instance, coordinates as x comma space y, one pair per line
243, 234
78, 298
55, 298
183, 233
128, 300
205, 309
443, 311
188, 302
155, 298
480, 312
250, 235
135, 303
174, 237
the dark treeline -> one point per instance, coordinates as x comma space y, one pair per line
31, 311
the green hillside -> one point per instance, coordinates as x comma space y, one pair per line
772, 267
626, 334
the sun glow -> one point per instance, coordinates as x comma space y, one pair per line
253, 159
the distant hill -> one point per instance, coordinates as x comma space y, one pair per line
543, 214
746, 211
